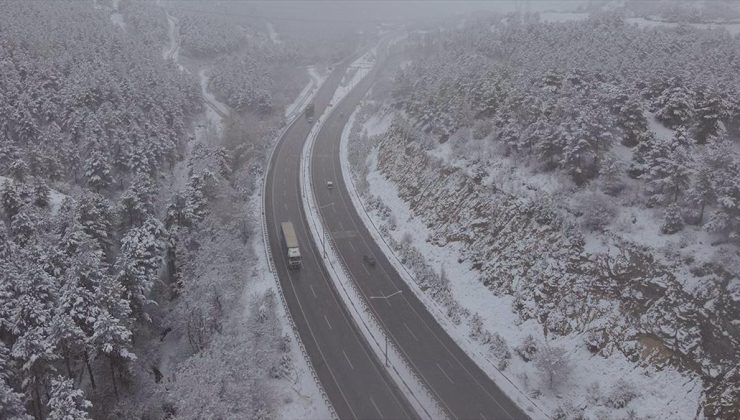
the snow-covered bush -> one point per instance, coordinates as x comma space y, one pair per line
500, 350
593, 393
527, 350
673, 221
597, 210
621, 394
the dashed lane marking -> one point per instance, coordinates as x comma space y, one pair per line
411, 332
347, 358
445, 373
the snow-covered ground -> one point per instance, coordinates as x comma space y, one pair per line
216, 111
732, 28
55, 197
661, 393
301, 100
355, 72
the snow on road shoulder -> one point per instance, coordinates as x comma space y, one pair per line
303, 98
659, 393
355, 72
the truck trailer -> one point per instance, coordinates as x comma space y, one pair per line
291, 244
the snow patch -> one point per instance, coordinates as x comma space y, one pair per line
56, 198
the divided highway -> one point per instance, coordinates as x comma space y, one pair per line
354, 379
460, 386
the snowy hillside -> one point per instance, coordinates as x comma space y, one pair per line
586, 176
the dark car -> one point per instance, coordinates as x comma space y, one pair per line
369, 260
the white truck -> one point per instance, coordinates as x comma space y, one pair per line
291, 243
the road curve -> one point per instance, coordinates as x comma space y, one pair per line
460, 386
354, 379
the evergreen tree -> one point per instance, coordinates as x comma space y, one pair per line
710, 165
11, 199
673, 221
23, 226
676, 107
98, 171
95, 215
710, 110
669, 169
632, 121
11, 402
137, 202
142, 254
67, 402
726, 218
41, 193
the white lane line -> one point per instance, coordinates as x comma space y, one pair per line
483, 416
372, 401
445, 373
352, 246
347, 357
410, 332
312, 291
285, 205
327, 321
366, 270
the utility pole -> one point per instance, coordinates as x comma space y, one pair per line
386, 333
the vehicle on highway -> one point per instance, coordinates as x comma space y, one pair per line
309, 111
310, 120
329, 184
369, 260
291, 245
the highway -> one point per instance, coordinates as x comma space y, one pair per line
354, 379
460, 386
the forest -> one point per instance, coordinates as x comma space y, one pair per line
106, 206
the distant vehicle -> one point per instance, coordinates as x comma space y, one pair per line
369, 260
291, 244
310, 120
329, 184
309, 111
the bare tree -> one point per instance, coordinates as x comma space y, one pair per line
554, 364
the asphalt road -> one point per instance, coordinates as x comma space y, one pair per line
354, 379
462, 388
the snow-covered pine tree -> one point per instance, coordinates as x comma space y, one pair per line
67, 402
632, 121
672, 222
669, 168
142, 254
710, 110
96, 216
10, 196
137, 202
98, 171
726, 217
11, 402
676, 107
